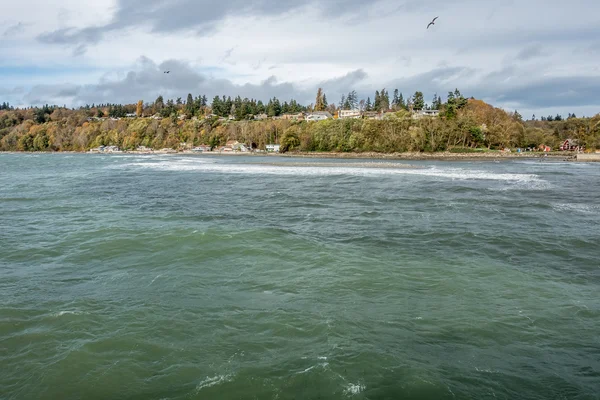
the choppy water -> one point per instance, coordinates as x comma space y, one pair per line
167, 277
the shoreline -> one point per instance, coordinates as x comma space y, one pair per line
413, 156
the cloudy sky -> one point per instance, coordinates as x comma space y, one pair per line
536, 56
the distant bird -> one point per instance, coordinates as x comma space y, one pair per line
166, 72
432, 22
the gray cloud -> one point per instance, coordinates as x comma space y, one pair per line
530, 52
14, 30
147, 81
201, 16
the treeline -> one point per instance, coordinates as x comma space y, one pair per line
463, 123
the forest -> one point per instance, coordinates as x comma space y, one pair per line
464, 124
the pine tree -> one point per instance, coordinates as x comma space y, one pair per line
343, 102
401, 103
384, 101
325, 105
352, 100
418, 101
396, 99
217, 106
159, 104
377, 102
368, 105
189, 104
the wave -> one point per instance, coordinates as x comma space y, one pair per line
186, 165
215, 380
576, 207
62, 313
354, 389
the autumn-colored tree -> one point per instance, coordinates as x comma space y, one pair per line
140, 108
320, 101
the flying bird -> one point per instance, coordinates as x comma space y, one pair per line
166, 72
432, 22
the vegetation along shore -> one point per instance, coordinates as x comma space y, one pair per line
458, 127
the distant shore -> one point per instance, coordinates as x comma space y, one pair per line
415, 156
440, 156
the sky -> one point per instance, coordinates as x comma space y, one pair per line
536, 56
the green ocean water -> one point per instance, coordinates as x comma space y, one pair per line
181, 277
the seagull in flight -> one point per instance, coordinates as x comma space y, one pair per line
432, 22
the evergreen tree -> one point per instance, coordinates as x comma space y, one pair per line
518, 116
401, 103
179, 101
418, 101
377, 102
159, 104
217, 106
325, 104
533, 117
343, 102
190, 105
352, 100
368, 105
384, 101
396, 100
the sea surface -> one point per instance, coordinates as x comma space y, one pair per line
198, 277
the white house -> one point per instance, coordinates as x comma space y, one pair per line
318, 116
272, 148
418, 114
344, 114
131, 115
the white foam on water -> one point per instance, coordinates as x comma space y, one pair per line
352, 389
62, 313
335, 169
323, 365
215, 380
577, 207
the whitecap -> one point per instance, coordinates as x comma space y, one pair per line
352, 389
336, 169
322, 365
215, 380
67, 312
576, 207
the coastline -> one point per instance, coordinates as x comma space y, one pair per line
413, 156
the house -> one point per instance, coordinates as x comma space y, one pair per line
571, 145
372, 115
201, 149
349, 114
272, 148
131, 115
318, 116
110, 149
418, 114
295, 117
